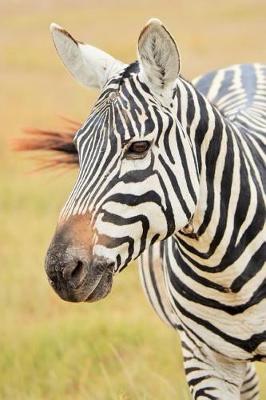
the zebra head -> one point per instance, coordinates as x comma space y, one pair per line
138, 180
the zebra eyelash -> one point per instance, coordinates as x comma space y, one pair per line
131, 153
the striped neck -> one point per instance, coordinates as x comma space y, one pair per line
204, 124
213, 139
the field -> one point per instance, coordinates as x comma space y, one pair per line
116, 349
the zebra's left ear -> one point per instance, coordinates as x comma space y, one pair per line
158, 57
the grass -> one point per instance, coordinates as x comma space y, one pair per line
116, 349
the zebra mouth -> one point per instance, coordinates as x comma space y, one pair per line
97, 290
102, 289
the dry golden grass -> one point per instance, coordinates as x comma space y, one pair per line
116, 349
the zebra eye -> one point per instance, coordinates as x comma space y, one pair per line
138, 149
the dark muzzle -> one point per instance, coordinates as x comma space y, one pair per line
74, 273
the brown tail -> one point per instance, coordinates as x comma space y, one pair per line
56, 148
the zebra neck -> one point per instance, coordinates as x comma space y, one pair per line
202, 121
216, 145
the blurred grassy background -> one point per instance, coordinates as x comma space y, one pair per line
116, 349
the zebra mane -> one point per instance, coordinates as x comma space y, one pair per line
55, 147
131, 68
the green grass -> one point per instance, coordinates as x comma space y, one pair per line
116, 349
75, 356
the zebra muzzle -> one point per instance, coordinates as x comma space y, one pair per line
73, 272
75, 279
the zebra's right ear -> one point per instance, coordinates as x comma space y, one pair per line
90, 66
158, 57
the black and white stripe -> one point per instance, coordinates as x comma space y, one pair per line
192, 205
215, 276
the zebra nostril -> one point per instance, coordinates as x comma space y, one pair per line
77, 271
74, 272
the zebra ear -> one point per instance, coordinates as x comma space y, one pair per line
90, 66
158, 56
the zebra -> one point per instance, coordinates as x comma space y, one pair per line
172, 173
